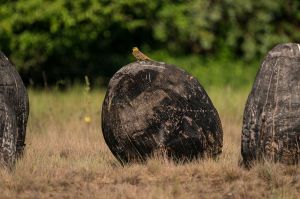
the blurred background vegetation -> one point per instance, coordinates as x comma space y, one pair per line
221, 42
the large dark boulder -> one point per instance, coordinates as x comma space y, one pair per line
271, 124
14, 111
151, 107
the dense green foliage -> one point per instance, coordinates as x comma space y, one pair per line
65, 39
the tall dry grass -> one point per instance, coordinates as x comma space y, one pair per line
66, 157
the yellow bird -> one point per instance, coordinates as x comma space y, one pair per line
139, 55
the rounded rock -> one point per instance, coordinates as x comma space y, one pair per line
152, 107
271, 123
14, 110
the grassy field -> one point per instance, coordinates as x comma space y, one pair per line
66, 157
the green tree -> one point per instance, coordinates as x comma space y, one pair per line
67, 39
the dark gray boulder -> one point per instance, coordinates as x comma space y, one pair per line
14, 109
271, 123
151, 107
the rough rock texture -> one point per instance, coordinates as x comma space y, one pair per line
14, 111
271, 124
151, 106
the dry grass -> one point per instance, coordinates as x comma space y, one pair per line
67, 158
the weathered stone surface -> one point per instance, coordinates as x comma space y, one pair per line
14, 109
271, 123
151, 106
